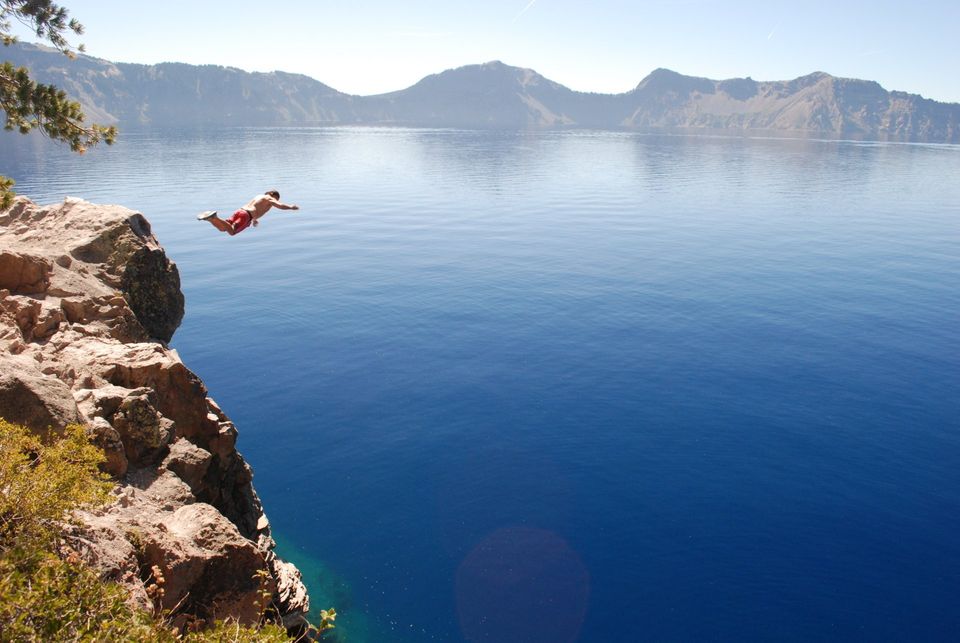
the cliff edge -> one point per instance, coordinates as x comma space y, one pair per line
88, 302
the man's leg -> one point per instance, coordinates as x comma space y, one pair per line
220, 224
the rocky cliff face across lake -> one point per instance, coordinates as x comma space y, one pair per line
492, 95
88, 300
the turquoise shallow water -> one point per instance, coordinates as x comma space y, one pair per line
576, 386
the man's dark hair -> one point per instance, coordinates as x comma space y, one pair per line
274, 194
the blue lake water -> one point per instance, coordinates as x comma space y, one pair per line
576, 386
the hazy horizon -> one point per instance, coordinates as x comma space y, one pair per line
487, 62
607, 47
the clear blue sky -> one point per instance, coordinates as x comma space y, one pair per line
373, 46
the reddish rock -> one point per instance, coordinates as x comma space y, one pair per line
32, 399
88, 300
24, 274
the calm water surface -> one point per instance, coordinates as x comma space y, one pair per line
576, 386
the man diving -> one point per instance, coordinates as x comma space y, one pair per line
248, 214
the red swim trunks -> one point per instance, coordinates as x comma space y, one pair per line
240, 220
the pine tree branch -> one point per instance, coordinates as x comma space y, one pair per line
29, 105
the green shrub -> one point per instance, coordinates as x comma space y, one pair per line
43, 479
47, 593
45, 598
231, 632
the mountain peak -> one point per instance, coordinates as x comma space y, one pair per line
661, 79
663, 72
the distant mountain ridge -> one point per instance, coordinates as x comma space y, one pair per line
491, 95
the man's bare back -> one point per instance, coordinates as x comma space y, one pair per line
259, 205
248, 214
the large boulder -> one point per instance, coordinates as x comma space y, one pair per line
24, 274
210, 570
109, 242
32, 399
205, 568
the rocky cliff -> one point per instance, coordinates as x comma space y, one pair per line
88, 300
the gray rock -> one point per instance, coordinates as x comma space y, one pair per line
190, 463
291, 597
106, 437
138, 424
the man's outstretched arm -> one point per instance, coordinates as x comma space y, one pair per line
280, 205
